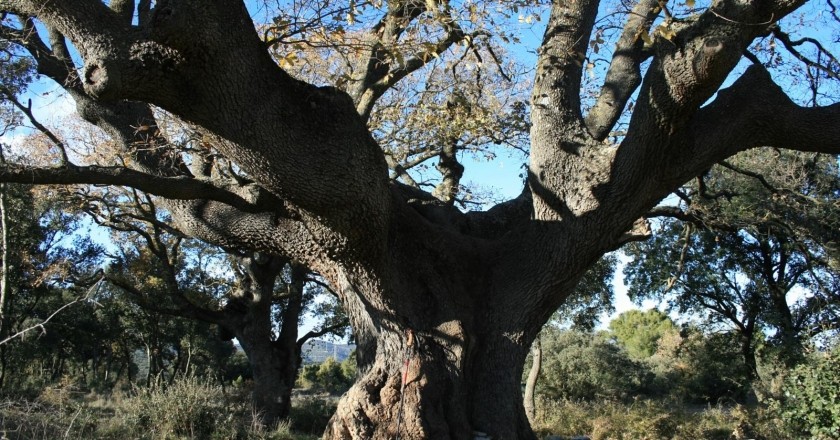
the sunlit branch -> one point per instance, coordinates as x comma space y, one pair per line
624, 75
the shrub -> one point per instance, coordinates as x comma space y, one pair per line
643, 419
310, 415
579, 365
330, 376
24, 420
811, 404
189, 407
698, 367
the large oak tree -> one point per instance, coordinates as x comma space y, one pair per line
312, 184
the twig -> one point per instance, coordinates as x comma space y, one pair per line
790, 44
72, 421
27, 110
40, 325
765, 23
44, 322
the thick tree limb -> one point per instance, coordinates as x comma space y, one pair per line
688, 68
225, 218
756, 112
118, 61
624, 74
302, 143
178, 188
558, 133
556, 95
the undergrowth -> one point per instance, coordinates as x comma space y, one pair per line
654, 420
195, 408
187, 408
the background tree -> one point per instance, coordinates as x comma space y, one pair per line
587, 366
310, 182
753, 251
257, 299
639, 332
42, 269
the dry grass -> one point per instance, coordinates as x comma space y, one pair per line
654, 420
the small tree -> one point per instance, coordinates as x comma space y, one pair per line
639, 332
754, 252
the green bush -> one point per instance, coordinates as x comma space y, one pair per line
648, 420
811, 404
330, 376
700, 368
579, 365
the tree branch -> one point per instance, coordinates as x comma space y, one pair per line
379, 76
624, 74
556, 94
41, 325
27, 110
318, 333
186, 310
178, 188
790, 45
755, 112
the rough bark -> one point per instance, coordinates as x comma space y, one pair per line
475, 289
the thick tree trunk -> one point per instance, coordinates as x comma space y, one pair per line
473, 328
449, 392
273, 381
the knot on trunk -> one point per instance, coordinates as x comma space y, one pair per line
102, 79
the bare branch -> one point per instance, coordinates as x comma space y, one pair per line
27, 110
41, 325
380, 77
791, 45
321, 332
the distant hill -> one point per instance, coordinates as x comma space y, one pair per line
316, 351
